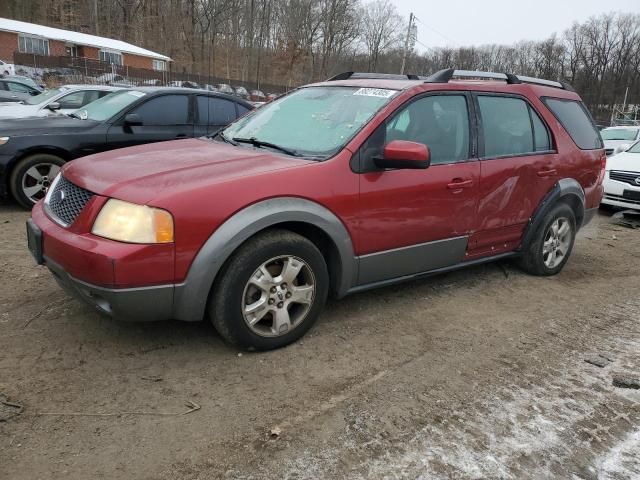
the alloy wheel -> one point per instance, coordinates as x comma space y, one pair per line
557, 242
278, 296
37, 180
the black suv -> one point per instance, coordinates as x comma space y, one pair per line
32, 150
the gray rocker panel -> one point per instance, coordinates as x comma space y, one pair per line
399, 262
190, 298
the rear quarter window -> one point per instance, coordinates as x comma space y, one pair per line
576, 120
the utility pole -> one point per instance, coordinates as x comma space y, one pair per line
95, 16
406, 43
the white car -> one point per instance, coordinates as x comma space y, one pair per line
618, 139
622, 179
64, 100
7, 68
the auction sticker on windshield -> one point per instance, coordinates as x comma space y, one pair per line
376, 92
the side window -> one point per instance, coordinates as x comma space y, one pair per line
506, 126
575, 119
72, 101
91, 96
165, 110
242, 110
439, 121
215, 111
541, 139
18, 87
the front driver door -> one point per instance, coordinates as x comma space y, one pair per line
413, 221
166, 117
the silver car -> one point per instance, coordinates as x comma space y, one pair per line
64, 100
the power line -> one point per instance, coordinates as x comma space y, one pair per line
437, 32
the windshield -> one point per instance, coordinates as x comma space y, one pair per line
619, 133
312, 121
635, 148
43, 97
109, 105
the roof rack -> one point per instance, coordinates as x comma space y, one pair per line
372, 76
443, 76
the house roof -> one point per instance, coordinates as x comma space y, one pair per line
76, 38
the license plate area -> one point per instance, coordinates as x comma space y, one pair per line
631, 194
34, 241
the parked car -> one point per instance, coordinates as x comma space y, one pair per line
61, 100
618, 139
224, 88
154, 82
7, 68
622, 179
272, 96
242, 92
184, 84
257, 96
26, 80
15, 91
32, 150
382, 184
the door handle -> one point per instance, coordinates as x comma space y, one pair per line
458, 183
547, 173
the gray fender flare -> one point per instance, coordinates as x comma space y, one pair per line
190, 298
566, 188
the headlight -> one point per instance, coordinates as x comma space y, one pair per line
4, 140
128, 222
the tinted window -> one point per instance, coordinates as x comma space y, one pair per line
506, 126
576, 121
92, 96
166, 110
441, 122
215, 111
242, 110
540, 133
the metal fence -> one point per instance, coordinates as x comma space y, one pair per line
64, 70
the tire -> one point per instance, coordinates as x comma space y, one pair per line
23, 181
280, 254
542, 255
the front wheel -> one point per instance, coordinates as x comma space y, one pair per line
270, 292
552, 244
32, 176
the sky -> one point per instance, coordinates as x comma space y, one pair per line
477, 22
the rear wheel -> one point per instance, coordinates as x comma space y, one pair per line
270, 292
32, 176
552, 244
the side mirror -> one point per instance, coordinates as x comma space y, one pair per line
53, 106
132, 119
403, 154
33, 93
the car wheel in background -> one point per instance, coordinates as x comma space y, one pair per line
32, 176
270, 292
552, 244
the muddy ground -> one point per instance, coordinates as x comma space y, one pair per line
475, 374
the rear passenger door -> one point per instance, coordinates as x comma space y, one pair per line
517, 170
411, 221
213, 114
165, 117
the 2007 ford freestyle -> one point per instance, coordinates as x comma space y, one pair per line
357, 182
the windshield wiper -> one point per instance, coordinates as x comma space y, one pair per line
223, 137
259, 143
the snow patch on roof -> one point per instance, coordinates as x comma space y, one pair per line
76, 38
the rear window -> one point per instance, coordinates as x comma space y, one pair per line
576, 120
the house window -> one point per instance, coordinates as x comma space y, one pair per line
35, 45
72, 50
114, 58
159, 65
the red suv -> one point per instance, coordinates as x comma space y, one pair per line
357, 182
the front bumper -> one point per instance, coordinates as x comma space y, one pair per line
94, 270
614, 192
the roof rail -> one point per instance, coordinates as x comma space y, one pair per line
371, 76
443, 76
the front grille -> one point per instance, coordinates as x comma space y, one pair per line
66, 201
625, 177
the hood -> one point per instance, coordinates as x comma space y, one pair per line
18, 110
31, 126
146, 172
616, 143
625, 161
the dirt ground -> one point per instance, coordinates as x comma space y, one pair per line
480, 373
